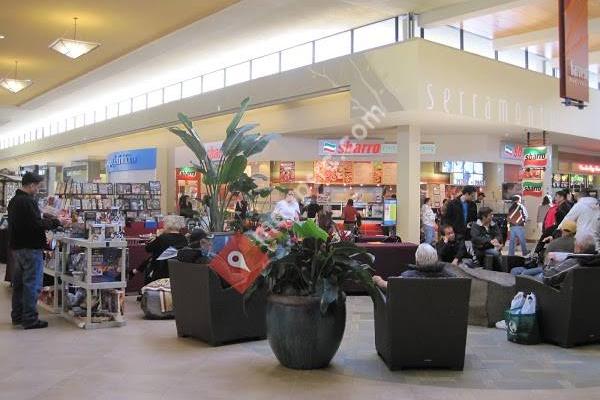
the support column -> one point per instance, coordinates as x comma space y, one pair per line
494, 177
408, 183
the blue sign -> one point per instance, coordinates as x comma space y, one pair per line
131, 160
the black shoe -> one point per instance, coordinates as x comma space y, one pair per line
39, 324
17, 322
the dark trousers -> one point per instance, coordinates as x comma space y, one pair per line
27, 284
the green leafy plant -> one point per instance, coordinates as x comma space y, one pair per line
240, 143
309, 263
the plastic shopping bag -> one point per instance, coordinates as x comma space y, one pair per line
518, 301
521, 323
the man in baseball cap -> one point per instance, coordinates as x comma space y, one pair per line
27, 232
565, 243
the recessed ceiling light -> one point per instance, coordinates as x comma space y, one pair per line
2, 36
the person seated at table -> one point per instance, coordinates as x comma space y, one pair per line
325, 221
450, 249
426, 265
487, 238
170, 237
553, 272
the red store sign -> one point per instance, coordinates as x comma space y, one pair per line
187, 174
589, 168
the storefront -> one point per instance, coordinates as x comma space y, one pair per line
576, 172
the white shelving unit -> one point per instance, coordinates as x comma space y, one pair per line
84, 280
52, 267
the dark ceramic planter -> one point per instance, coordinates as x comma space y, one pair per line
299, 335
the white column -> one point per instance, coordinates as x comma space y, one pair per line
494, 177
408, 183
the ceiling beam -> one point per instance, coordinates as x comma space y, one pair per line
542, 36
466, 10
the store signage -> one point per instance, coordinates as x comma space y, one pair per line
573, 49
349, 147
535, 157
213, 150
533, 188
187, 174
366, 147
287, 171
590, 168
511, 151
131, 160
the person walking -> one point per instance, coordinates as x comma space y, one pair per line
517, 217
585, 213
27, 230
542, 211
428, 221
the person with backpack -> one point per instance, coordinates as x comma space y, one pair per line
517, 216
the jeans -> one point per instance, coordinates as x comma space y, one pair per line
517, 232
27, 284
429, 232
536, 272
497, 259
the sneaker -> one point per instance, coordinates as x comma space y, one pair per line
501, 325
39, 324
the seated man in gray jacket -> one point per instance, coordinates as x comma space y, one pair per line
585, 256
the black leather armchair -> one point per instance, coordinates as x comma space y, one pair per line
568, 316
207, 310
422, 323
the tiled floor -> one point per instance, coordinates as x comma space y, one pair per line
146, 360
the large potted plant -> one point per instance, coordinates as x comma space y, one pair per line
205, 307
306, 306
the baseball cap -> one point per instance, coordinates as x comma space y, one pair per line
199, 234
569, 226
30, 178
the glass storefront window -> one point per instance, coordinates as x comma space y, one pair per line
213, 81
172, 93
478, 45
375, 35
192, 87
512, 56
267, 65
237, 74
296, 57
333, 46
447, 35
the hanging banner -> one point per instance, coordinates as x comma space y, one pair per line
535, 157
533, 188
573, 50
287, 171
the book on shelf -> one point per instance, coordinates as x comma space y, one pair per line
106, 204
138, 188
89, 188
136, 204
153, 204
154, 187
122, 204
123, 188
105, 188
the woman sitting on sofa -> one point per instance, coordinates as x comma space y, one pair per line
426, 266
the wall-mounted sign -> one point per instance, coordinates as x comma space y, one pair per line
511, 151
533, 188
131, 160
573, 49
350, 147
366, 147
589, 168
187, 174
535, 160
287, 171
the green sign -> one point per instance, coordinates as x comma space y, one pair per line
535, 157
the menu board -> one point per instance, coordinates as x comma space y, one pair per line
377, 172
390, 173
362, 172
560, 181
331, 171
287, 171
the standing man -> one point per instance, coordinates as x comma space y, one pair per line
517, 217
462, 212
27, 239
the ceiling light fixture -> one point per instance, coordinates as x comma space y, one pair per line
73, 48
15, 85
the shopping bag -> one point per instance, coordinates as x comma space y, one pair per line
521, 323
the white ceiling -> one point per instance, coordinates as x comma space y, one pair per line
243, 31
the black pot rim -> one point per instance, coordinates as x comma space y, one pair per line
298, 301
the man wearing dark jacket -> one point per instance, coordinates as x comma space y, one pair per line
451, 249
487, 238
27, 232
462, 212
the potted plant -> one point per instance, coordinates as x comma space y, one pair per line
205, 308
219, 176
306, 306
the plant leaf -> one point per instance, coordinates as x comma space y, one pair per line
309, 229
192, 143
238, 116
233, 169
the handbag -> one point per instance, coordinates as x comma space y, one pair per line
516, 216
